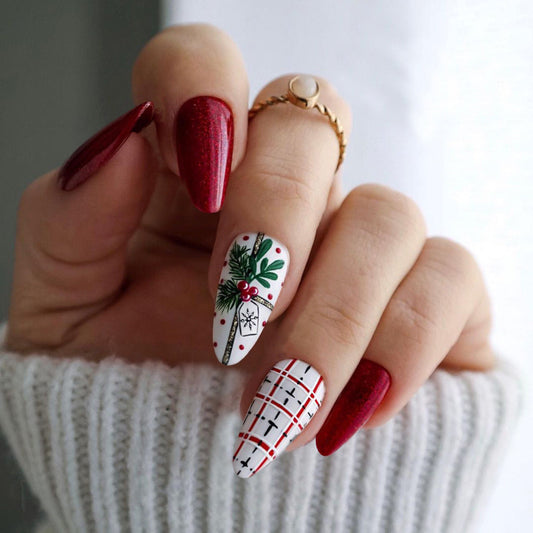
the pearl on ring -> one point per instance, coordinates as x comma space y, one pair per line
304, 86
303, 91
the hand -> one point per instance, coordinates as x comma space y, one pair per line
113, 258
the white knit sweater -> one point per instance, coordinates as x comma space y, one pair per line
112, 447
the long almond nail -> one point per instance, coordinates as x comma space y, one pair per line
93, 154
358, 400
285, 402
251, 280
204, 143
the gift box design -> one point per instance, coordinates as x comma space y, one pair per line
252, 277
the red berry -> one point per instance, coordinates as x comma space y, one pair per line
245, 297
270, 296
222, 321
264, 323
241, 347
243, 285
215, 344
254, 291
278, 250
245, 238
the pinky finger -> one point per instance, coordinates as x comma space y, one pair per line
438, 314
73, 230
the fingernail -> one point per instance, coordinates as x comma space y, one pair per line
251, 280
204, 142
358, 400
285, 402
93, 154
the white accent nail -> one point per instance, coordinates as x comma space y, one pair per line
252, 277
287, 399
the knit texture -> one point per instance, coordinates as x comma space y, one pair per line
112, 447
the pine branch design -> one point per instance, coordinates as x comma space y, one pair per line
239, 262
244, 266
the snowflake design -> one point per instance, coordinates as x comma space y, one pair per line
249, 319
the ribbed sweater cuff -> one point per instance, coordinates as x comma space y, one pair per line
112, 446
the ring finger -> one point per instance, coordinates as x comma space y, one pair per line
370, 246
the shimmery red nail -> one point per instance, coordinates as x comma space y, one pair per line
354, 406
204, 142
92, 155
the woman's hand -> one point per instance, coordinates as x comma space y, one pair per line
114, 259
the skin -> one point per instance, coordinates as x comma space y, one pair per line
126, 265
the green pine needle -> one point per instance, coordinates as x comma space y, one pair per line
227, 296
239, 262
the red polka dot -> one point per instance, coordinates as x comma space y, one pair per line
245, 238
278, 250
264, 323
241, 347
222, 321
270, 296
215, 344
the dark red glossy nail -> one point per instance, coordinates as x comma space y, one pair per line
93, 154
204, 142
358, 400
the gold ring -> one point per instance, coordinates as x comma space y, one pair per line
303, 92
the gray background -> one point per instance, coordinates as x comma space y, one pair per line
64, 73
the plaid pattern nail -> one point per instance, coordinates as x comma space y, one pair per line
285, 402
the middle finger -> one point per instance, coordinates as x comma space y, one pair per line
274, 204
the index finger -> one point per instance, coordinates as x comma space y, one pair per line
196, 78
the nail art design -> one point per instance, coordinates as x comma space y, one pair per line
285, 402
93, 154
204, 143
251, 280
358, 400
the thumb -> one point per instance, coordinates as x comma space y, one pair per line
73, 228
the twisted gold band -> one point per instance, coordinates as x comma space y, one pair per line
304, 99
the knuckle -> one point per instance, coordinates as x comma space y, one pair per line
451, 261
191, 36
279, 177
385, 211
394, 202
415, 316
199, 38
151, 50
335, 316
182, 47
